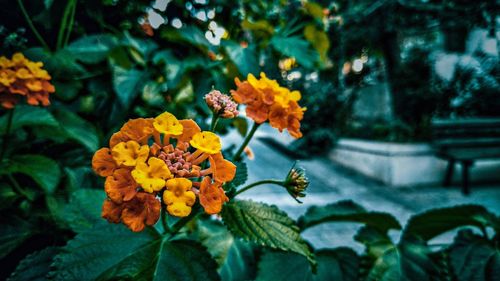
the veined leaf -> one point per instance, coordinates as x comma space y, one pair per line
92, 49
265, 225
241, 175
28, 116
438, 221
78, 129
127, 84
473, 257
44, 171
35, 266
347, 211
83, 211
114, 252
12, 233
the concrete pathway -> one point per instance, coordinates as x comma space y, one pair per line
330, 182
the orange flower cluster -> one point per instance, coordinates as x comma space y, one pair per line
150, 161
22, 77
267, 100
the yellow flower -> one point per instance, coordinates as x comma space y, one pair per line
207, 142
34, 85
5, 62
130, 153
151, 176
166, 123
23, 73
18, 58
178, 197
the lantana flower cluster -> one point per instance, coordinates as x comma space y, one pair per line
21, 77
150, 161
266, 100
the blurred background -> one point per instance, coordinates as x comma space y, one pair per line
402, 96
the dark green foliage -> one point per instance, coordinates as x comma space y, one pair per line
36, 266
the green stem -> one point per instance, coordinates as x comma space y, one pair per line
237, 155
64, 22
32, 27
18, 187
164, 220
182, 222
215, 120
7, 133
277, 182
71, 22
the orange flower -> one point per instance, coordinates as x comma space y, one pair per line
103, 163
143, 164
22, 77
267, 100
212, 196
120, 186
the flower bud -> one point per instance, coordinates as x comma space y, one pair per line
221, 104
296, 182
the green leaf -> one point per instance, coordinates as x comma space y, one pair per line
67, 90
84, 209
241, 175
265, 225
78, 129
13, 232
347, 211
189, 34
474, 258
48, 3
438, 221
44, 171
127, 84
295, 47
25, 115
339, 264
245, 59
35, 266
236, 258
319, 40
92, 49
262, 26
114, 252
241, 125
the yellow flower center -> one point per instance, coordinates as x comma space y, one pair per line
130, 153
151, 176
207, 142
178, 197
166, 123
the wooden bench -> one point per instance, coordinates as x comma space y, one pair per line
464, 141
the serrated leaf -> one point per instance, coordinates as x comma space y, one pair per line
28, 116
347, 211
92, 49
245, 59
78, 129
13, 232
35, 266
44, 171
339, 264
114, 252
437, 221
236, 258
295, 47
472, 257
241, 175
127, 84
83, 211
265, 225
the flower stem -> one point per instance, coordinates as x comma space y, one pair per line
164, 220
7, 133
18, 188
237, 155
71, 22
63, 29
32, 27
215, 120
277, 182
182, 222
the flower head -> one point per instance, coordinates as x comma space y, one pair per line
21, 77
296, 182
150, 160
221, 104
266, 100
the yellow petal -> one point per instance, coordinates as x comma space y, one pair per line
129, 153
166, 123
207, 142
151, 176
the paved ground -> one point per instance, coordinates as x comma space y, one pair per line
330, 183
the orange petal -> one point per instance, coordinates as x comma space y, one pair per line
117, 138
143, 210
190, 129
139, 129
103, 163
212, 196
120, 186
222, 169
111, 211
